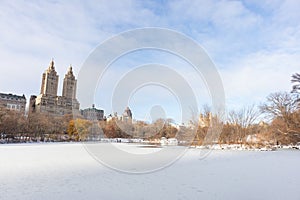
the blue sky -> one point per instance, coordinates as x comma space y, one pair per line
255, 45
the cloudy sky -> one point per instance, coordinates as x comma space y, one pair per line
255, 45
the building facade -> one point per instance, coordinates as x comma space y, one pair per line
127, 115
93, 113
13, 102
48, 101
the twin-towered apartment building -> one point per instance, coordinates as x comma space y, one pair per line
48, 101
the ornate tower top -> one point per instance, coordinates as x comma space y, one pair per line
70, 72
51, 66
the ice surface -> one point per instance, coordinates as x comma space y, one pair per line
67, 171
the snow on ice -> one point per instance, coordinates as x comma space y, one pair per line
67, 171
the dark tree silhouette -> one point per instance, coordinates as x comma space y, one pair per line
296, 88
296, 81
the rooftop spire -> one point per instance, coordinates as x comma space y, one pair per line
70, 70
51, 65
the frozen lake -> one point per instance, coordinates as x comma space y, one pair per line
67, 171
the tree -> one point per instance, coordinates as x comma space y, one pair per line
72, 131
279, 104
285, 117
12, 121
39, 125
296, 81
242, 120
78, 129
296, 87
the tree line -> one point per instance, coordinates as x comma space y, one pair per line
276, 121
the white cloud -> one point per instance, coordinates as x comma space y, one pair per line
253, 77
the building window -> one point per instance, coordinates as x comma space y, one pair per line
13, 106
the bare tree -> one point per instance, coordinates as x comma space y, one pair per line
242, 120
282, 109
296, 83
279, 104
244, 117
296, 88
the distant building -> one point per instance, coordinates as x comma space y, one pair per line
92, 113
13, 102
110, 118
48, 101
127, 115
32, 104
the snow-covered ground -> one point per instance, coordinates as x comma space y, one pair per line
67, 171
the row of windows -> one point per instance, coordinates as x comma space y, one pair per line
11, 98
14, 106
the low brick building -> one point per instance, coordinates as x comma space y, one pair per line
13, 102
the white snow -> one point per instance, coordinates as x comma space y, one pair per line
67, 171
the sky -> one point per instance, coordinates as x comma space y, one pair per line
254, 45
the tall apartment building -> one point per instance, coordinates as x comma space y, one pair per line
48, 101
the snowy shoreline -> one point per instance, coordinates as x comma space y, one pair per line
224, 147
